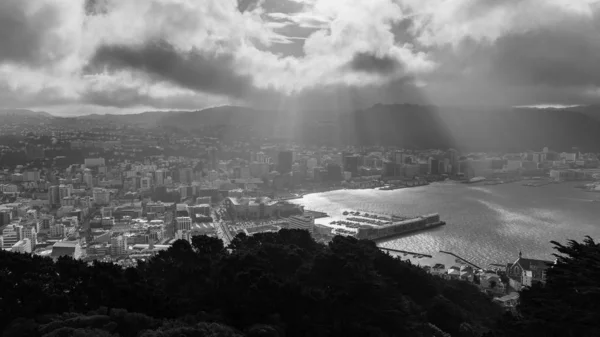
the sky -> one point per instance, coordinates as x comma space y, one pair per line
74, 57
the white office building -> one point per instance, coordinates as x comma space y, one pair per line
22, 246
184, 223
305, 222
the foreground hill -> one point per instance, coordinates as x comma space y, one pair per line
283, 283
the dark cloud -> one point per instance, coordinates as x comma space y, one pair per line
369, 63
282, 6
554, 57
247, 5
24, 31
116, 98
203, 72
95, 7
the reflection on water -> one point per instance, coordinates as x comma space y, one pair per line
486, 224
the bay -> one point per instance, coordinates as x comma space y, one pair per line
485, 224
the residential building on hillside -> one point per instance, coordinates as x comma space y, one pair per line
524, 272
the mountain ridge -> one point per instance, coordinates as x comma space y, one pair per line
405, 125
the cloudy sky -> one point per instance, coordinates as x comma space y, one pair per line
117, 56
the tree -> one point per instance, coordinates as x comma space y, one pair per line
268, 284
567, 305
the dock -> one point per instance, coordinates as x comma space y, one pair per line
405, 252
315, 214
466, 261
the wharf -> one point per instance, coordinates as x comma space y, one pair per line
462, 259
405, 252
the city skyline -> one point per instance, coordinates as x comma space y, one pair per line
122, 57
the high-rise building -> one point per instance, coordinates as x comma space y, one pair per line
452, 155
46, 221
30, 233
54, 195
159, 177
434, 166
146, 183
284, 163
351, 164
186, 175
213, 158
118, 245
4, 217
101, 196
64, 191
88, 179
334, 173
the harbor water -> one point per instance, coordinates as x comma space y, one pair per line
485, 224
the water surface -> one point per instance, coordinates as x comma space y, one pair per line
485, 224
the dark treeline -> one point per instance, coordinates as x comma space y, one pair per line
281, 284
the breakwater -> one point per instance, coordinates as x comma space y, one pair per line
406, 252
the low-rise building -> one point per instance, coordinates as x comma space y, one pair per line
305, 222
66, 248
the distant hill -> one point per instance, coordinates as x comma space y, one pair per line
23, 113
145, 119
590, 110
414, 126
406, 125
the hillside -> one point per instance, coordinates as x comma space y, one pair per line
284, 282
21, 115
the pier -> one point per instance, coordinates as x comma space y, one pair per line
405, 252
315, 214
466, 261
